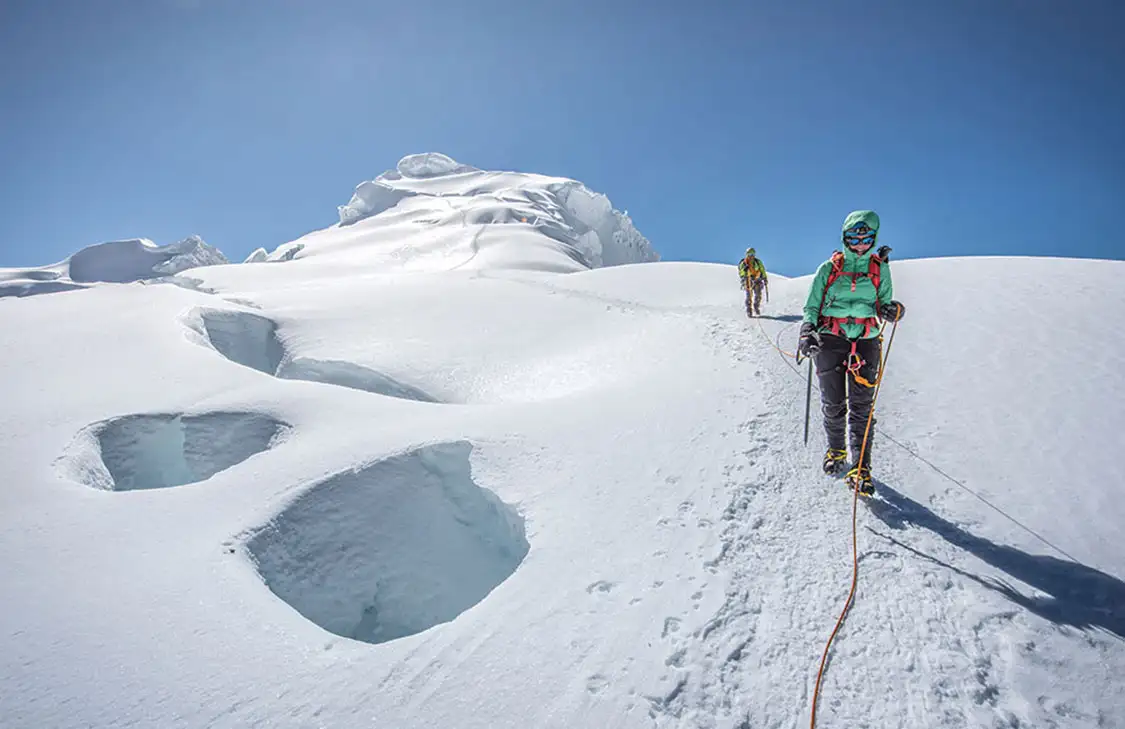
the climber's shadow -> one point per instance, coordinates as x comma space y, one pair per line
1074, 594
782, 317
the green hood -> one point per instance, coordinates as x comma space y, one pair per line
855, 218
861, 216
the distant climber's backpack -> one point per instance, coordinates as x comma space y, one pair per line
748, 268
873, 270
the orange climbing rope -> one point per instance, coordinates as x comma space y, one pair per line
771, 343
855, 542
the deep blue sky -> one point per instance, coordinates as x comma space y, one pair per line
972, 126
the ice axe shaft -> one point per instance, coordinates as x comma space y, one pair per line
808, 400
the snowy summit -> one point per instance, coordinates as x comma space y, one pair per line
432, 213
472, 458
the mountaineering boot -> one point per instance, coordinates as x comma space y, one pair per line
860, 478
835, 461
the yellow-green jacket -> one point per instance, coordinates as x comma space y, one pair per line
751, 267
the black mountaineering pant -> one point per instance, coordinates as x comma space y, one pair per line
841, 397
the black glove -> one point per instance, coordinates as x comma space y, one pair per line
892, 311
809, 343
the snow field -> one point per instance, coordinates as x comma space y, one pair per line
684, 558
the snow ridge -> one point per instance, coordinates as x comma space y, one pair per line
119, 261
260, 255
125, 261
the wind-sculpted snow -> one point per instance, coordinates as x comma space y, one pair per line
16, 287
605, 236
246, 339
370, 198
161, 450
432, 194
429, 164
347, 374
392, 549
121, 261
124, 261
251, 340
286, 252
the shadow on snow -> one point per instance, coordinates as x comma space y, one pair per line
1071, 593
782, 317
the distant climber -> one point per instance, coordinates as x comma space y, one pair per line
752, 274
849, 295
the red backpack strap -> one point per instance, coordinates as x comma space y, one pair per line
837, 261
874, 269
837, 268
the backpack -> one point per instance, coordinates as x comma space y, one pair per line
873, 270
749, 270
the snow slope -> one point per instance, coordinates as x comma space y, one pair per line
498, 496
120, 261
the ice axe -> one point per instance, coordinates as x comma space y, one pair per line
808, 395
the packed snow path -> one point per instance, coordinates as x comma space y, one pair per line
925, 644
631, 532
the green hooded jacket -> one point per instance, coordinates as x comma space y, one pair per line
839, 300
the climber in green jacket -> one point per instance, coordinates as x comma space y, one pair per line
849, 295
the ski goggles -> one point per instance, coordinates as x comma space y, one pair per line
859, 236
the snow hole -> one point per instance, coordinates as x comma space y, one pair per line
393, 549
246, 339
157, 451
251, 340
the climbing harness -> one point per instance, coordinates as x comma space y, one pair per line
834, 323
854, 363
